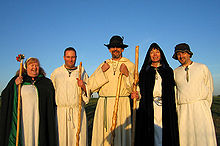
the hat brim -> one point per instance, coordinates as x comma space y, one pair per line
116, 45
175, 54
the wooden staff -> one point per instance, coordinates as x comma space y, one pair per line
80, 107
114, 118
20, 58
134, 100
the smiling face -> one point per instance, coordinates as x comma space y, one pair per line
183, 58
155, 55
116, 53
70, 59
33, 69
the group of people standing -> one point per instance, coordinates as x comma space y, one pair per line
173, 106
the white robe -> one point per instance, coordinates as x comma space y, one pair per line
29, 115
157, 92
194, 99
67, 99
106, 84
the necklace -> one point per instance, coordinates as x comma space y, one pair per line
187, 71
114, 65
70, 71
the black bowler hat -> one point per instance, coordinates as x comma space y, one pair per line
183, 47
116, 41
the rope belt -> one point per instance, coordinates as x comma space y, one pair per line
70, 112
158, 100
105, 109
190, 102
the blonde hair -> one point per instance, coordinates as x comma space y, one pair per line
29, 61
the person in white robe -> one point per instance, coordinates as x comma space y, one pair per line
104, 81
66, 83
194, 88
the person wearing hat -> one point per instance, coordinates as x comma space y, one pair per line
104, 81
37, 124
65, 81
194, 88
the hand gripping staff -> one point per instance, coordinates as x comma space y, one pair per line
20, 59
114, 118
134, 100
80, 107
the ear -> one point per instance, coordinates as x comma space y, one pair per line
122, 50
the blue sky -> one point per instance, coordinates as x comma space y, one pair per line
44, 28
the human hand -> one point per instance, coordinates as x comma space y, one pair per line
80, 82
105, 67
134, 94
18, 80
124, 70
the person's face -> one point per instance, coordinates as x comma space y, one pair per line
183, 57
33, 69
70, 59
155, 55
116, 52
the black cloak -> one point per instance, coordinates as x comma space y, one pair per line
46, 94
144, 133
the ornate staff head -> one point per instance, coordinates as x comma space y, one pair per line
20, 57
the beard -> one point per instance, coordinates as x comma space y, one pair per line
117, 55
69, 65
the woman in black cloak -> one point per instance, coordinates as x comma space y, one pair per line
37, 121
156, 119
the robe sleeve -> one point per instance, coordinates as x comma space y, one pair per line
209, 84
85, 96
52, 77
130, 81
97, 80
7, 97
139, 94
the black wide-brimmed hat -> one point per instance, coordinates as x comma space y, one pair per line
116, 41
183, 47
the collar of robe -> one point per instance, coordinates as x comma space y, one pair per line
32, 80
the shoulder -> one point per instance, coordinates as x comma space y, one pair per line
177, 69
45, 80
200, 66
169, 70
11, 82
59, 69
127, 62
166, 71
9, 87
83, 69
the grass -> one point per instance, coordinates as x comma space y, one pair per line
90, 109
216, 116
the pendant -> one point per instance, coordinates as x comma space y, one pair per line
156, 77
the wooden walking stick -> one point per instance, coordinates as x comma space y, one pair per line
114, 118
20, 59
80, 107
134, 100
